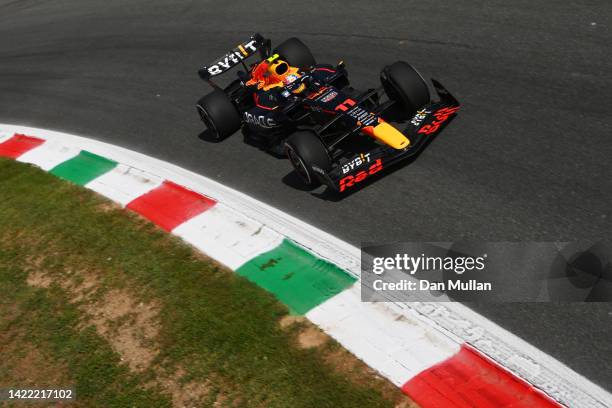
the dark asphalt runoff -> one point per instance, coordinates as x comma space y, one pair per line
529, 157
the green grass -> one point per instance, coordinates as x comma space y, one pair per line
213, 323
50, 322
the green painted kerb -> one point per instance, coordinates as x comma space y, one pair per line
297, 278
83, 168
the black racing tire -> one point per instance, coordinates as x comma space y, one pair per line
305, 150
219, 114
404, 84
296, 53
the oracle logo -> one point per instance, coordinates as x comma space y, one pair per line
259, 120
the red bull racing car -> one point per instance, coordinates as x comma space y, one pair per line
332, 133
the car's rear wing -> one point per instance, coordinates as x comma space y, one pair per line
257, 43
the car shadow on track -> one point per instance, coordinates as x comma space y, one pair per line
292, 180
208, 136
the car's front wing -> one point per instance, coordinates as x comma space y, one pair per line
422, 128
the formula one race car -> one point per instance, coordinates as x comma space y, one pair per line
332, 133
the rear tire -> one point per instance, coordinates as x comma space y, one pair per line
219, 114
405, 85
305, 150
296, 53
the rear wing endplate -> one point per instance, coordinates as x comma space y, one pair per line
236, 56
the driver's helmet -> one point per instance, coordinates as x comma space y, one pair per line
279, 70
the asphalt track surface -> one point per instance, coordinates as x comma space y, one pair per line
527, 159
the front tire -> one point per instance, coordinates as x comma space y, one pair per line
305, 150
296, 53
219, 114
404, 84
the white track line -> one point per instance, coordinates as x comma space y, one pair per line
50, 154
228, 236
124, 183
398, 345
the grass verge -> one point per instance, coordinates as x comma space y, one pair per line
98, 298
